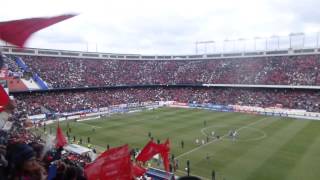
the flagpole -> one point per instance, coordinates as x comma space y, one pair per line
188, 167
58, 123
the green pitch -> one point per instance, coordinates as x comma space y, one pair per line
267, 148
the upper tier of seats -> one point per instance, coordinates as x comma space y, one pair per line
278, 70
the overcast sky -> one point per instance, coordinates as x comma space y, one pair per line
167, 26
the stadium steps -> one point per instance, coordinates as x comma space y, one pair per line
45, 110
16, 84
31, 84
36, 78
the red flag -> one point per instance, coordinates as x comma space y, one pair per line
4, 98
110, 165
1, 61
164, 151
138, 170
60, 139
148, 151
152, 149
93, 169
18, 31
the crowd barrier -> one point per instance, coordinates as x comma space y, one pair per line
270, 111
134, 107
115, 109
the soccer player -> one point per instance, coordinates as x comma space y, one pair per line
235, 134
68, 126
176, 164
231, 133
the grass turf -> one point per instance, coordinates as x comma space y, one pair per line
268, 148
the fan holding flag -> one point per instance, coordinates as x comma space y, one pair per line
60, 138
152, 149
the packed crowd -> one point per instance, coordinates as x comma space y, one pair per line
82, 100
25, 155
277, 70
11, 66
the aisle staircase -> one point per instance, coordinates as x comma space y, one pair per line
36, 79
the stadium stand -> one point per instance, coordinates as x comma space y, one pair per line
63, 72
72, 101
18, 77
60, 72
84, 84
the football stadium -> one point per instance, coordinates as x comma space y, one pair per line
247, 109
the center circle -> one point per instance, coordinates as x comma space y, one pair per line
245, 134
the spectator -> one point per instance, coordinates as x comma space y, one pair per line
73, 101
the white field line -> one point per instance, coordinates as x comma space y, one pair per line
88, 119
204, 133
133, 121
264, 135
102, 149
202, 178
197, 148
89, 125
